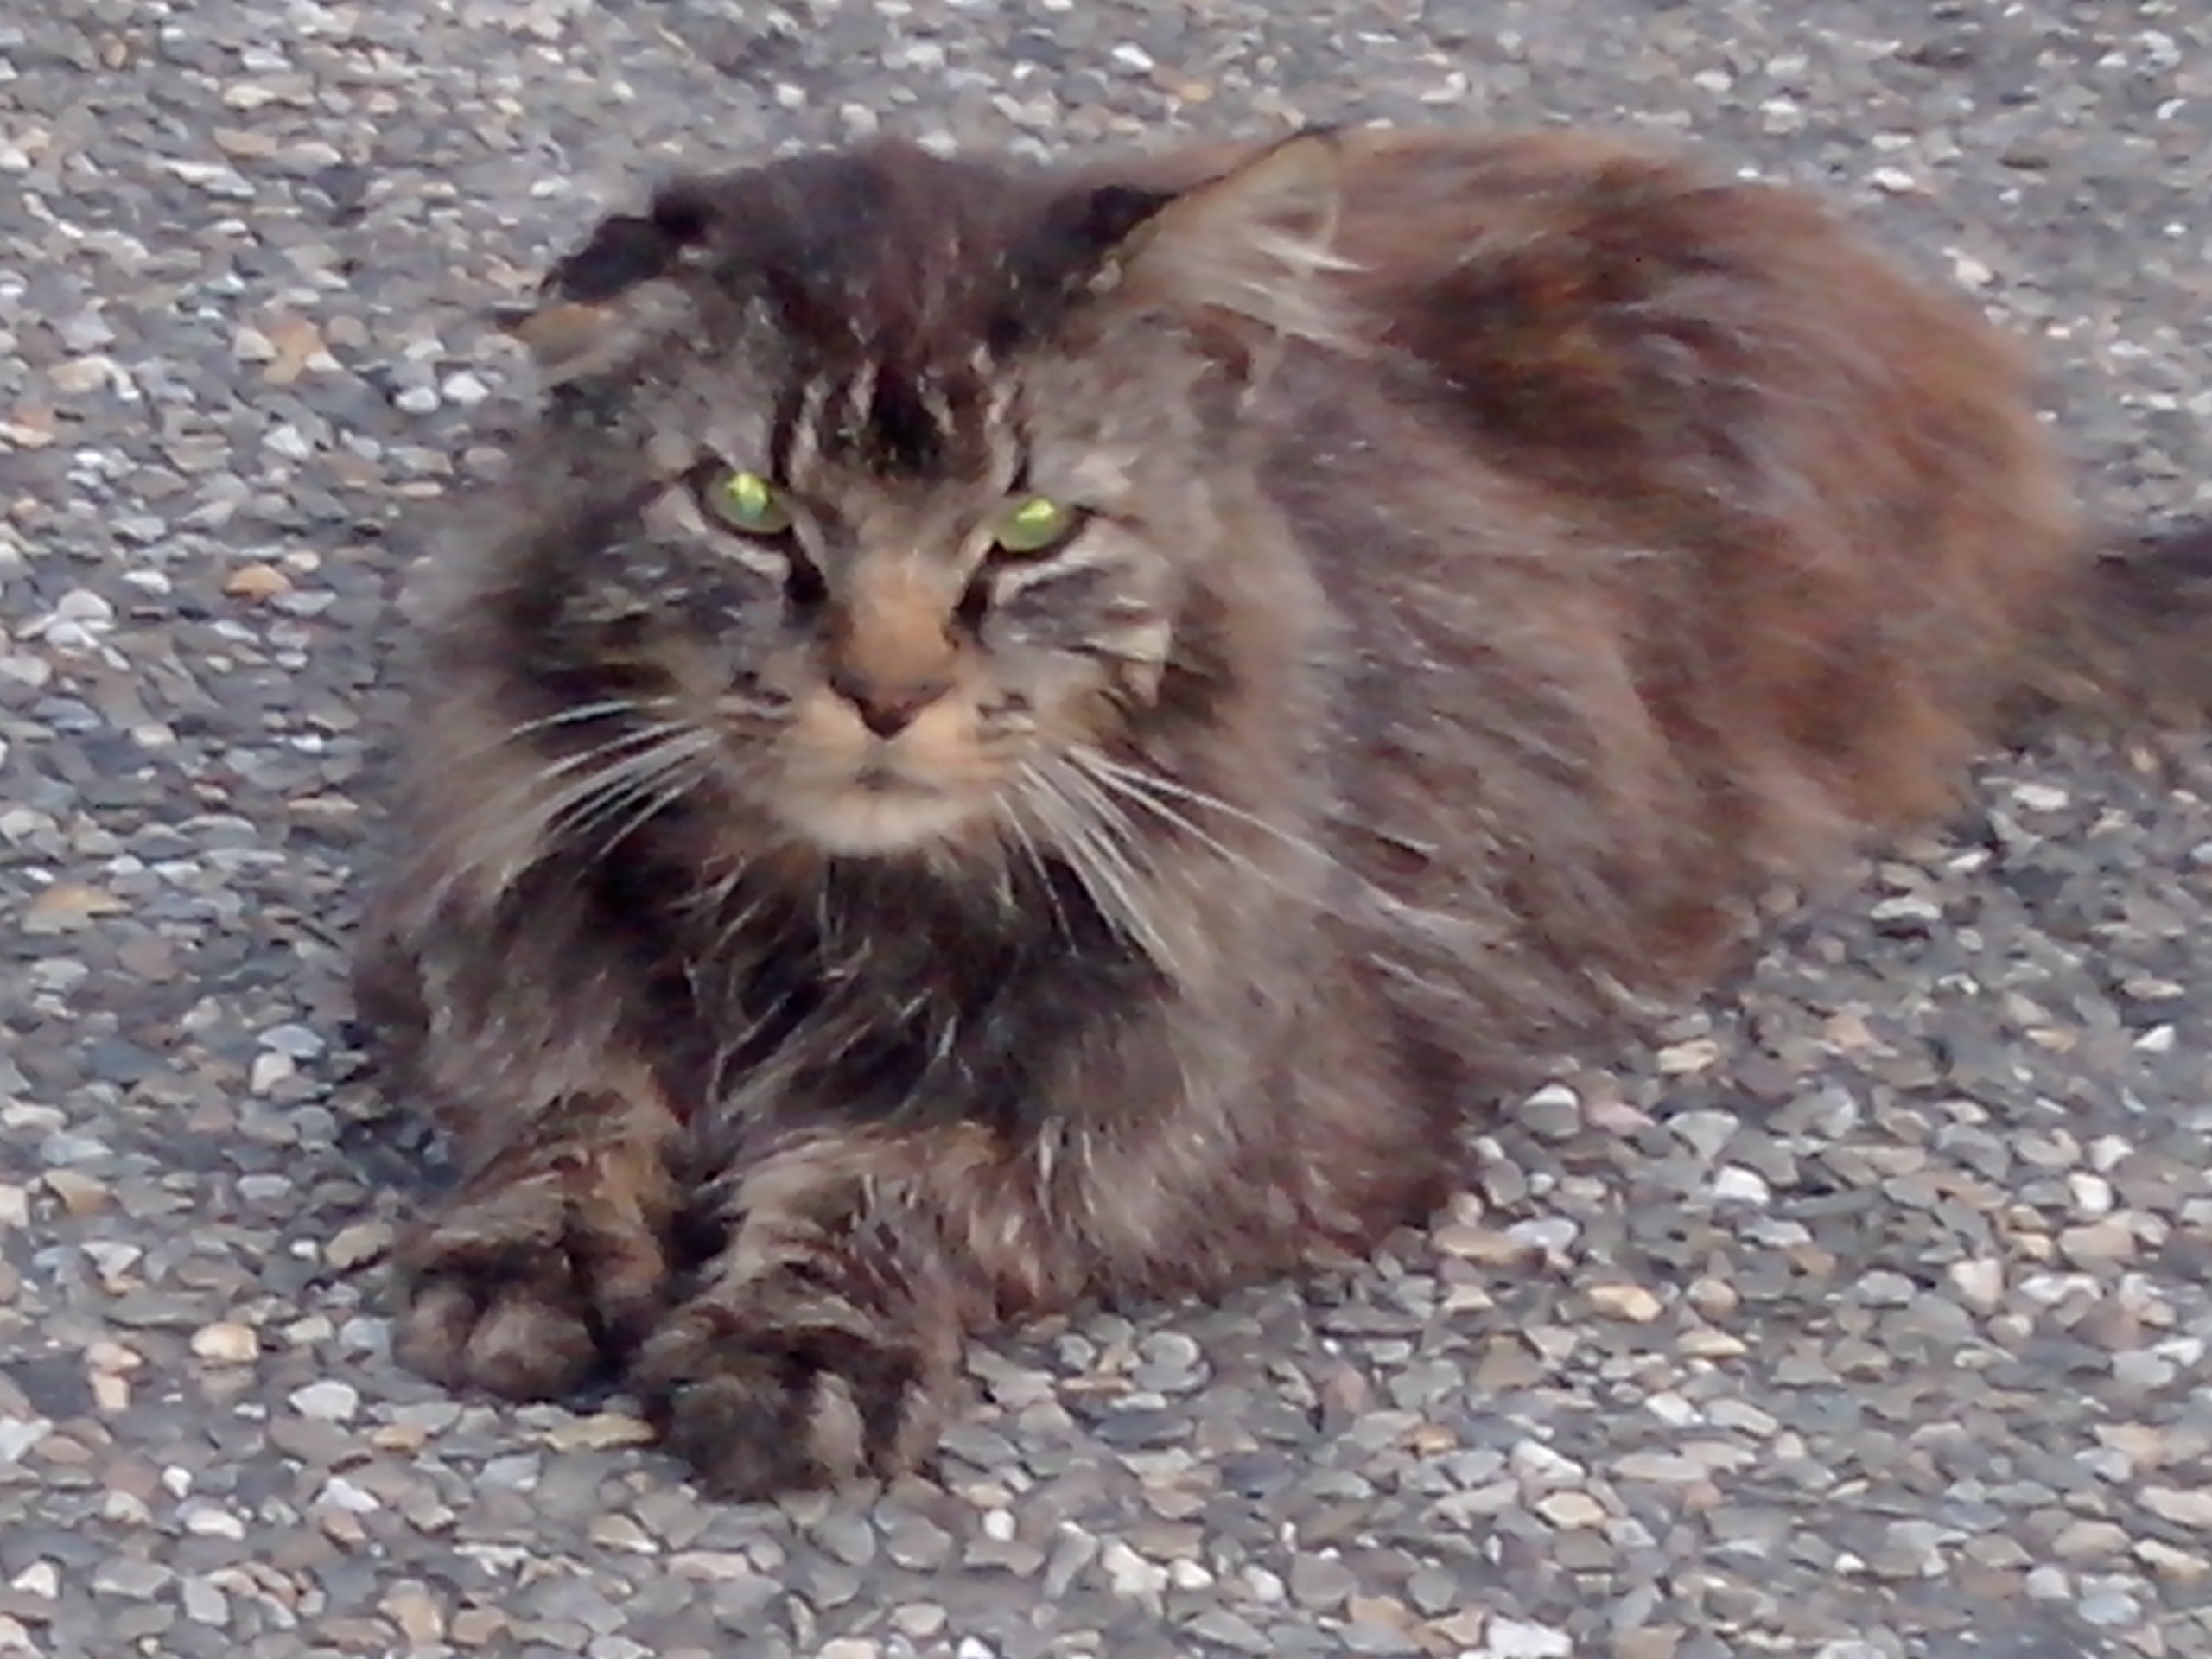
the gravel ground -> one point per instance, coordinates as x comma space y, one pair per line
1868, 1317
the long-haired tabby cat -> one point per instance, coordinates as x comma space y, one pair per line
1018, 733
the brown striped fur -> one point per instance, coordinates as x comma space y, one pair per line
1508, 556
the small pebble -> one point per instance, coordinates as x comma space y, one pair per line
326, 1402
1630, 1302
1513, 1638
228, 1343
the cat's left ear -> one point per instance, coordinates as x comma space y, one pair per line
600, 301
1257, 242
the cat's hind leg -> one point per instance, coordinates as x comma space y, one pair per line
550, 1262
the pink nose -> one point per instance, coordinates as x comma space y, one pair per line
886, 710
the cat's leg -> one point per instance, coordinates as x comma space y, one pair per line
820, 1343
550, 1260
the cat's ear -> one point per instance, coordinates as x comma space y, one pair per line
603, 299
1255, 242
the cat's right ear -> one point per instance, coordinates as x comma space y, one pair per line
602, 300
1254, 243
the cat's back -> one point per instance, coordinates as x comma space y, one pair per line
1694, 534
1633, 321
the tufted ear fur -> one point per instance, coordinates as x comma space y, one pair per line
1254, 243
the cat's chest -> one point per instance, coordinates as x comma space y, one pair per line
875, 1000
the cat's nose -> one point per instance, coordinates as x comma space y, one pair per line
886, 709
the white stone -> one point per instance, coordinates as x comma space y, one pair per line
340, 1493
2185, 1507
1979, 1282
1513, 1638
1552, 1235
1130, 1572
1572, 1510
1705, 1133
1534, 1460
205, 1521
269, 1068
328, 1402
1733, 1184
2092, 1194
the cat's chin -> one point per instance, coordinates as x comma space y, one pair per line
884, 821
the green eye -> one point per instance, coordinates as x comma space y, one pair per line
747, 503
1036, 525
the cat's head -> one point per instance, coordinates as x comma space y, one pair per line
894, 490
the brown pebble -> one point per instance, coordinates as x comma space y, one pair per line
66, 905
420, 1618
80, 1195
2098, 1243
600, 1432
358, 1245
2169, 1562
476, 1627
2086, 1539
227, 1343
1630, 1302
256, 582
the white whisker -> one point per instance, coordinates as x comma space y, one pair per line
570, 795
1158, 791
1094, 839
644, 777
1142, 791
680, 777
1025, 846
524, 792
604, 709
575, 714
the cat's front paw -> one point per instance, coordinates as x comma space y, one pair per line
759, 1408
527, 1292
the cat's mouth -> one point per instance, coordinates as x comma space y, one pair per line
881, 813
855, 794
878, 804
877, 775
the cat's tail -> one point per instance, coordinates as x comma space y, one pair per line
2129, 645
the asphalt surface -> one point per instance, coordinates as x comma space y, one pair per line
1867, 1318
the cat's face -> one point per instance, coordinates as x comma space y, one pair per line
889, 657
918, 504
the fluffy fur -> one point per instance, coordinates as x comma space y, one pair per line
1499, 559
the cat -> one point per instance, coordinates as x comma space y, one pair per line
1020, 734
